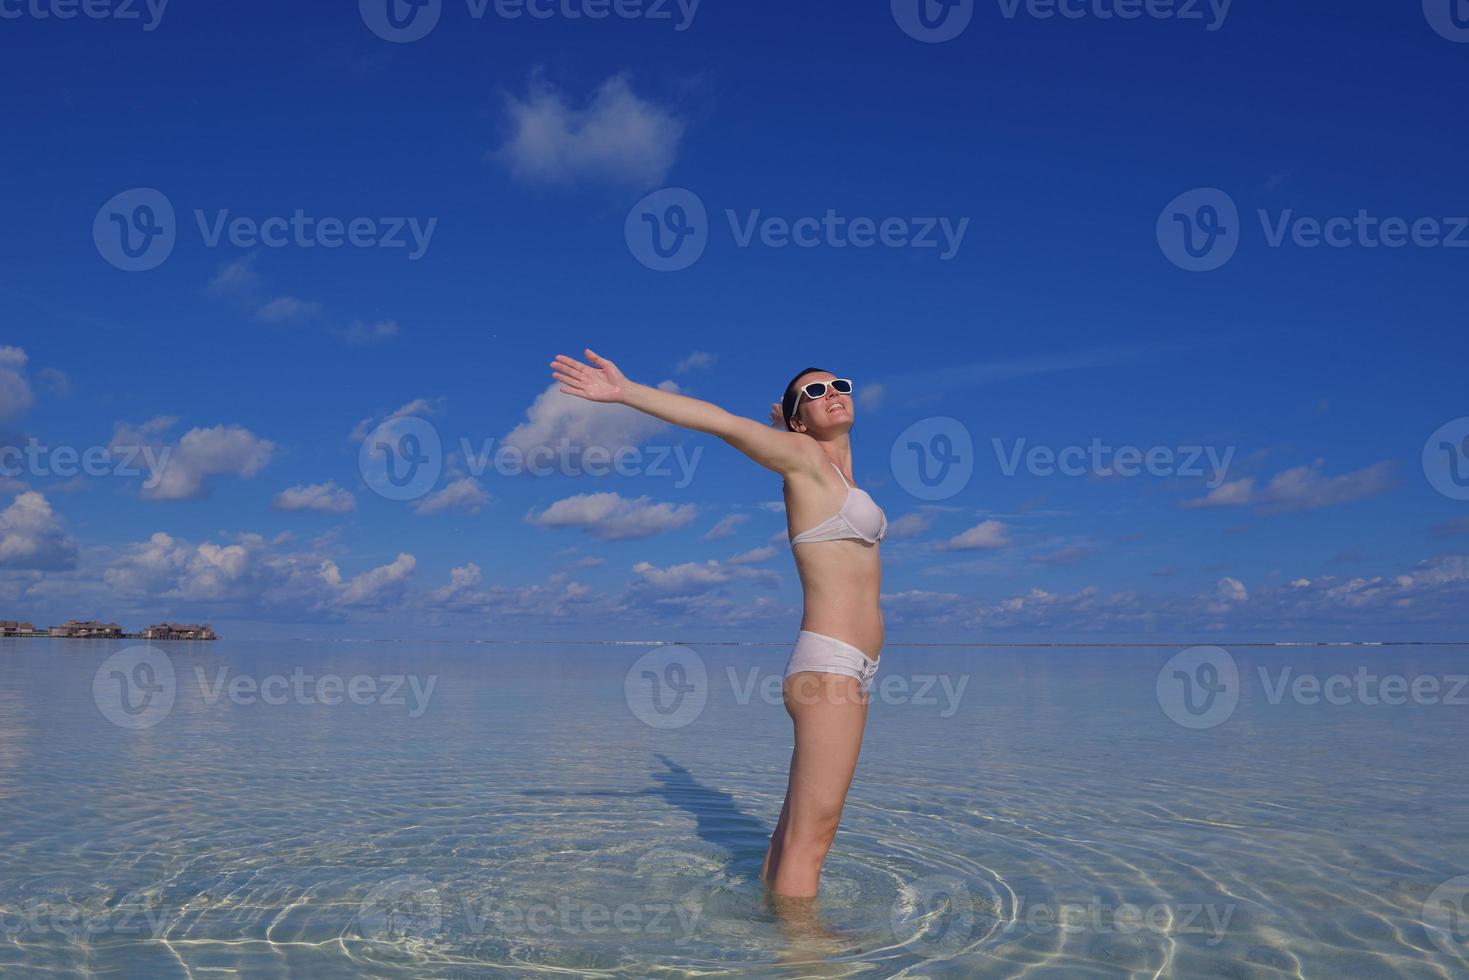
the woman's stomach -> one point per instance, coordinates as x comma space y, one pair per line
842, 582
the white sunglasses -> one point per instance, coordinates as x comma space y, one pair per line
817, 389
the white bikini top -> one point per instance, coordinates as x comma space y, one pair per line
860, 518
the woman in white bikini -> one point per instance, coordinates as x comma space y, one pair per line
829, 675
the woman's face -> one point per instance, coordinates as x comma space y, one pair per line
832, 412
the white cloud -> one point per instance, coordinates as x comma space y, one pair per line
1235, 493
255, 574
726, 526
240, 281
1233, 590
1300, 488
421, 407
1069, 555
754, 555
31, 536
554, 419
699, 360
182, 471
323, 498
288, 309
692, 578
984, 535
16, 397
236, 277
556, 598
464, 496
618, 137
910, 525
612, 517
55, 380
462, 582
167, 567
361, 332
385, 584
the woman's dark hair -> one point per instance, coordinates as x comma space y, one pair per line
788, 403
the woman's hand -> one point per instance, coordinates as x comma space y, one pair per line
601, 382
777, 417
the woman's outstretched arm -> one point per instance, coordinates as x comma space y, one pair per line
601, 381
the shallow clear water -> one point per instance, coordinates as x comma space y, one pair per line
1030, 812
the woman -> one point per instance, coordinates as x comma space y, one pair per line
829, 675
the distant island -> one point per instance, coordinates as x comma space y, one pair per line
75, 629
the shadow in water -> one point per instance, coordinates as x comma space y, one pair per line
718, 818
720, 821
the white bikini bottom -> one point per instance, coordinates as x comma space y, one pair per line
819, 652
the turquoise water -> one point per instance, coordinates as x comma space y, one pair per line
602, 811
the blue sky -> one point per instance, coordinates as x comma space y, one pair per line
1035, 176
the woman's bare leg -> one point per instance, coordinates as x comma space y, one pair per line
829, 713
772, 853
